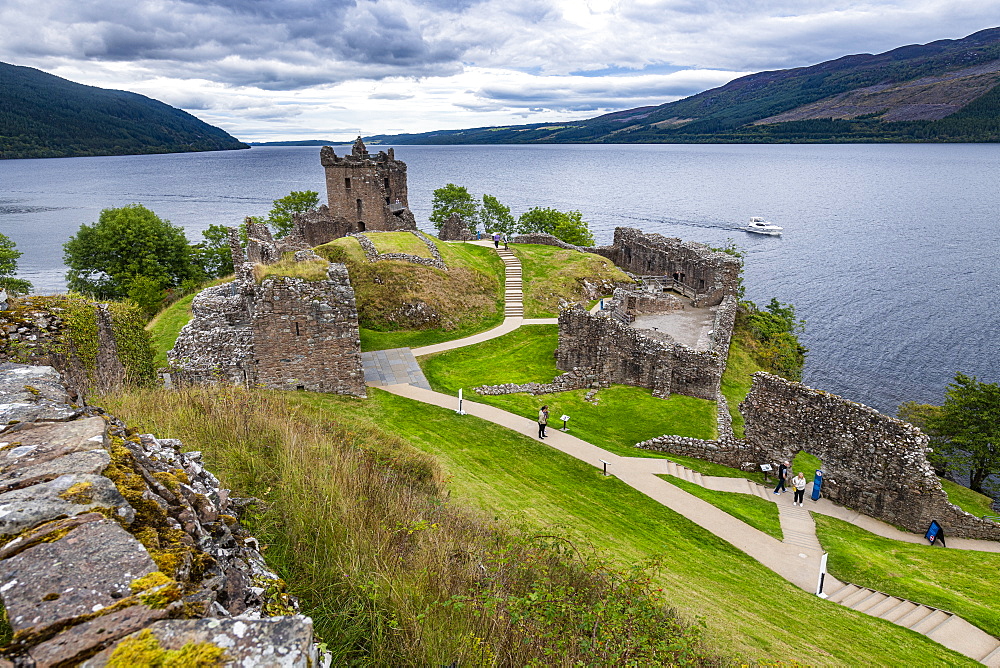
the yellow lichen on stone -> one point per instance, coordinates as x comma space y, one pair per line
79, 493
181, 475
144, 650
168, 480
148, 581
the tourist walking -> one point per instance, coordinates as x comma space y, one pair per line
496, 240
799, 483
543, 419
782, 476
505, 241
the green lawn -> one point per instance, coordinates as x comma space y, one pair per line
551, 273
753, 510
399, 242
527, 354
166, 326
737, 379
749, 611
960, 581
968, 500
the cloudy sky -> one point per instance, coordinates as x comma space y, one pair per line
331, 69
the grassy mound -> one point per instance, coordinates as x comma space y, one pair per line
405, 304
967, 499
551, 273
399, 242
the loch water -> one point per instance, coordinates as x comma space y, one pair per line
890, 252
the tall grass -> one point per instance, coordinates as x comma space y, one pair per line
359, 524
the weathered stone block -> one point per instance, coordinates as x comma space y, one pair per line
70, 494
83, 572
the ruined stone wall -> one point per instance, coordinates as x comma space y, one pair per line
80, 338
305, 335
641, 302
368, 190
106, 535
455, 229
616, 353
372, 254
710, 274
871, 462
284, 333
319, 226
549, 240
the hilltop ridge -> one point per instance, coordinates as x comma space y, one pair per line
45, 116
946, 90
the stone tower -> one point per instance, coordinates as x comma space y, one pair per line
369, 191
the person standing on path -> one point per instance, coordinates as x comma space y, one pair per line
496, 240
799, 483
543, 419
782, 476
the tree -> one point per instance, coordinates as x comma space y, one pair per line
8, 268
969, 424
496, 217
107, 258
282, 211
568, 226
214, 255
454, 199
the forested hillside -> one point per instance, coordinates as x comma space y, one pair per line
948, 90
45, 116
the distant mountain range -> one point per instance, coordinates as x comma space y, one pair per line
45, 116
944, 91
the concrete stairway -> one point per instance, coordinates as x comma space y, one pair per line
513, 296
685, 473
939, 625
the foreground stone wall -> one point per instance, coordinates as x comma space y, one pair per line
106, 535
617, 353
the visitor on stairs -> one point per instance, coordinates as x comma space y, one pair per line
496, 239
782, 476
799, 483
543, 419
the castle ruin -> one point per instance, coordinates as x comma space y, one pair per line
280, 332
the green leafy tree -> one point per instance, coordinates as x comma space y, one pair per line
454, 199
282, 211
106, 258
969, 426
774, 337
214, 255
496, 217
568, 226
8, 268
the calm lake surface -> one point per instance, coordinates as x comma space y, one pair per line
890, 252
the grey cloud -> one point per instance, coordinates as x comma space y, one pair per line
389, 96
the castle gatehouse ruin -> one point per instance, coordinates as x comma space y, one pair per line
279, 332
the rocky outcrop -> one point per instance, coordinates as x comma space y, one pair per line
106, 534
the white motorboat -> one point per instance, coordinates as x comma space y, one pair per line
761, 226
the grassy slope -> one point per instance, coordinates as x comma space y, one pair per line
961, 581
166, 326
968, 500
551, 273
526, 355
399, 242
753, 510
737, 379
748, 609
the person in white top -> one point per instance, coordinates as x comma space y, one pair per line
799, 483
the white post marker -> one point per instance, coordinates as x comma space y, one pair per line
460, 411
605, 466
564, 418
822, 575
